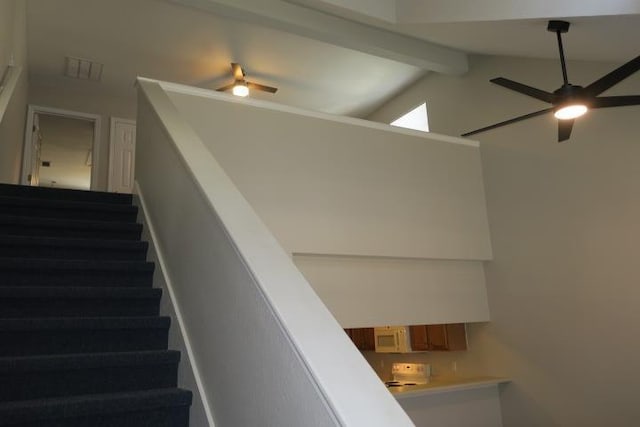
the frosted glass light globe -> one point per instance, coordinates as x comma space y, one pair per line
570, 112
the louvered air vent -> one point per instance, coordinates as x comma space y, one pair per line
83, 69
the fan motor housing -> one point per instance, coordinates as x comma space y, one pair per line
558, 26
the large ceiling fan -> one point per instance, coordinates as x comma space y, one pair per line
570, 101
241, 87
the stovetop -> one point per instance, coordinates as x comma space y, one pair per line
409, 374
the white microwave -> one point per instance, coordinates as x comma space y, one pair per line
392, 339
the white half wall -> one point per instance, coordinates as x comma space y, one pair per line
326, 185
259, 334
364, 292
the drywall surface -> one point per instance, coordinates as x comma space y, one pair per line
470, 408
562, 286
169, 307
327, 187
13, 100
364, 291
259, 333
88, 97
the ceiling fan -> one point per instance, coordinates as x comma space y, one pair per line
570, 101
241, 87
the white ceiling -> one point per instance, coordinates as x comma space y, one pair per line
157, 39
343, 66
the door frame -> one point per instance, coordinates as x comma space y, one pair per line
50, 111
112, 132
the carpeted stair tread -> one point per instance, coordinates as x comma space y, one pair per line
58, 227
85, 361
70, 335
35, 377
80, 292
78, 301
11, 190
34, 207
90, 323
44, 412
8, 264
64, 272
60, 247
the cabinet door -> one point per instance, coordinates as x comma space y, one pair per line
437, 336
450, 337
419, 338
369, 339
363, 338
456, 337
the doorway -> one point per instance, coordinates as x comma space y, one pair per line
61, 149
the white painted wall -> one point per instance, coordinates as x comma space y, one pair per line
13, 101
324, 186
340, 187
562, 286
364, 291
470, 408
87, 97
259, 333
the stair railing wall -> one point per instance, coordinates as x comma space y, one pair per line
265, 349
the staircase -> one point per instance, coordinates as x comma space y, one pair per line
81, 340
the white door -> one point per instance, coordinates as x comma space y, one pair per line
122, 155
36, 145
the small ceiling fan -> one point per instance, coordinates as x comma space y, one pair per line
570, 101
241, 87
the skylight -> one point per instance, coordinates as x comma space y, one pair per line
415, 119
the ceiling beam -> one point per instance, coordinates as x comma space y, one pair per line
296, 19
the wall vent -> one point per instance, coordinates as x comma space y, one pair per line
83, 69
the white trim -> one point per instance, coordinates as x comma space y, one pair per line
170, 288
49, 111
112, 125
268, 105
9, 83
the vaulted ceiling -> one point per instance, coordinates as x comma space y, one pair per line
337, 56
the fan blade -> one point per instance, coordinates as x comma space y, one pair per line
615, 101
564, 129
614, 77
237, 71
225, 88
257, 86
524, 89
508, 122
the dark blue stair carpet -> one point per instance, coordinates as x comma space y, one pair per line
153, 408
81, 340
77, 249
29, 207
60, 301
14, 225
44, 193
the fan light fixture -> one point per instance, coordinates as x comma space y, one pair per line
240, 89
570, 101
570, 112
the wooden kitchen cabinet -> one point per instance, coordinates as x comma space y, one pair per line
449, 337
363, 338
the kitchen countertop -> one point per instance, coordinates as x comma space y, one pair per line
446, 385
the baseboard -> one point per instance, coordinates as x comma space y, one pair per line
191, 379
